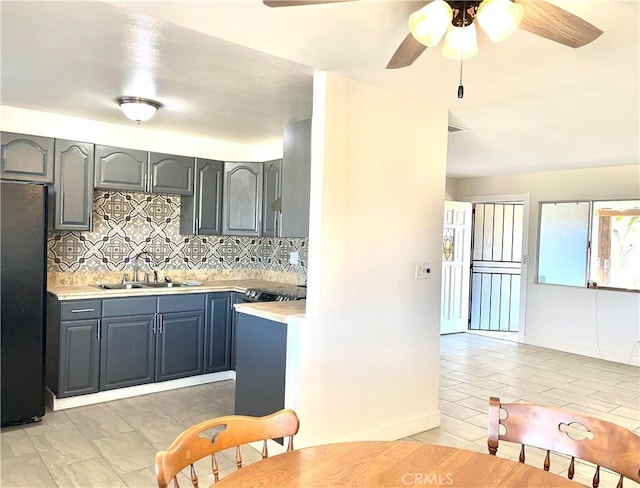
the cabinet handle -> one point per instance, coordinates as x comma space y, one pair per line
81, 310
196, 229
155, 321
99, 334
161, 323
144, 182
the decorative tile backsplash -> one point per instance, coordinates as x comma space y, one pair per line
125, 224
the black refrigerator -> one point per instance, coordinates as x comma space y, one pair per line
23, 231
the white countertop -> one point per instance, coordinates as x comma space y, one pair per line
276, 311
80, 292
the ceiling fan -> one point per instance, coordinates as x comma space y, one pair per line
498, 18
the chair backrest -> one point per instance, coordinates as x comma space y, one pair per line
234, 431
579, 436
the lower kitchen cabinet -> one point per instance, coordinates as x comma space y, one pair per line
218, 332
102, 344
179, 351
127, 351
260, 365
79, 364
73, 347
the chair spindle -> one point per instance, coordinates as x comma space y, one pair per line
265, 452
596, 478
619, 485
194, 476
215, 469
290, 445
522, 454
238, 457
547, 461
572, 468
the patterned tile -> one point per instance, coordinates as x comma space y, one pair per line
127, 223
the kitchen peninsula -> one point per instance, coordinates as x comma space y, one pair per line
116, 343
266, 346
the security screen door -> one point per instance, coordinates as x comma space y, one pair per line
496, 266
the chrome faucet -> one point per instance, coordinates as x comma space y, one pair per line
135, 263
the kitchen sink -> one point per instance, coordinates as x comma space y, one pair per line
161, 284
131, 286
119, 286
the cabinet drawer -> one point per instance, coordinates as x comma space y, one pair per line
180, 303
126, 307
80, 310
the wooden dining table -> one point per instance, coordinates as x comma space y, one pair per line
389, 464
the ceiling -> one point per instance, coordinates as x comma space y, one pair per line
238, 70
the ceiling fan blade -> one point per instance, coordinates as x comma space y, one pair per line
296, 3
407, 53
556, 24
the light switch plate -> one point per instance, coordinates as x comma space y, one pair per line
423, 271
294, 257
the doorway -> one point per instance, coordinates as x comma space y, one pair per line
492, 298
496, 266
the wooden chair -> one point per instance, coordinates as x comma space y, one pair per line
590, 439
233, 431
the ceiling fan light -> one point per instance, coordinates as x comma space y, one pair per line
460, 43
430, 23
138, 109
499, 18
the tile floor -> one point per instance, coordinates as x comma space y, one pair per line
114, 444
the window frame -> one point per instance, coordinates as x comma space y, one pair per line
589, 283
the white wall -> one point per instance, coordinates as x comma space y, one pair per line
369, 348
130, 135
597, 323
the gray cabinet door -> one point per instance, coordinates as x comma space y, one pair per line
260, 366
242, 209
79, 359
272, 198
73, 185
296, 179
217, 349
127, 351
201, 214
179, 350
26, 158
120, 169
171, 174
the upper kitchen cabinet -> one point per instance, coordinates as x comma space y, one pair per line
242, 208
296, 179
171, 174
272, 198
120, 169
73, 185
201, 213
26, 158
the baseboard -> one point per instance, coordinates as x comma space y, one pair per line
398, 430
132, 391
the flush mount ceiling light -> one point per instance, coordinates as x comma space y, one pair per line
137, 108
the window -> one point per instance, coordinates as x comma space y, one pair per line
597, 241
615, 244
